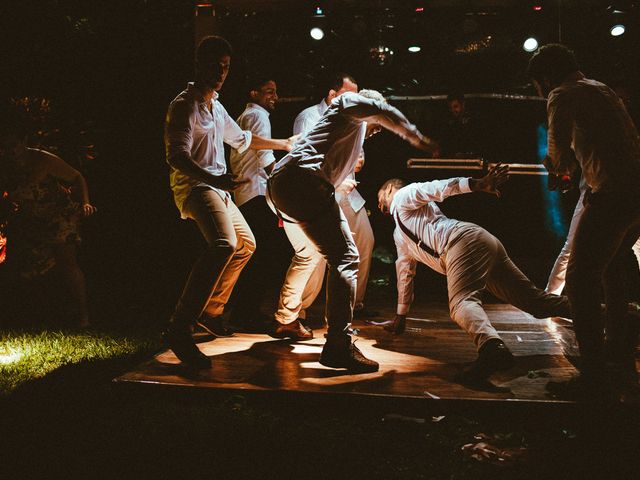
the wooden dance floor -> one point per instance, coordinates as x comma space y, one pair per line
421, 364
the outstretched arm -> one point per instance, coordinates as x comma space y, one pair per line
388, 117
405, 271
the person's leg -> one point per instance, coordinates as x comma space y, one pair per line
313, 287
509, 284
363, 236
73, 278
259, 271
245, 246
304, 262
607, 224
467, 263
210, 213
620, 328
332, 237
558, 273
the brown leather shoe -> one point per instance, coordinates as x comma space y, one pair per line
294, 330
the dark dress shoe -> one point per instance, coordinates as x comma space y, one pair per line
214, 326
294, 330
397, 327
342, 353
493, 356
180, 341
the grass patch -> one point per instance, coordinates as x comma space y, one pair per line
26, 356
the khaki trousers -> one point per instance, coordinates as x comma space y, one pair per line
477, 261
230, 245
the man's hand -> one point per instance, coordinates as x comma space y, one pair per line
347, 186
290, 141
426, 144
228, 182
398, 325
88, 210
491, 181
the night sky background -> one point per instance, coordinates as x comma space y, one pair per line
110, 68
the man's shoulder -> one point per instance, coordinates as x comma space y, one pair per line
309, 111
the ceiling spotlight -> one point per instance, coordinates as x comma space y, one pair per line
530, 44
316, 33
414, 49
319, 11
617, 30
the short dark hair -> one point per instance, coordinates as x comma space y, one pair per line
257, 81
335, 81
211, 49
553, 62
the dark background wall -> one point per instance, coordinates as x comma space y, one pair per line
112, 68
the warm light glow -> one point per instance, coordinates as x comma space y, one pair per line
8, 356
530, 44
617, 30
419, 9
537, 8
414, 49
316, 33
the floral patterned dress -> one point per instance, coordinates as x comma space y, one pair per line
47, 216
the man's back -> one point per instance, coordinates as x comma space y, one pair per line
592, 117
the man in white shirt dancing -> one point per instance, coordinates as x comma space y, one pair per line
252, 166
301, 189
472, 259
196, 128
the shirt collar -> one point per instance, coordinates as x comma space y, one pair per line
255, 106
322, 107
192, 90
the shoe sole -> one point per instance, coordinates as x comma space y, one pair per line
290, 337
355, 369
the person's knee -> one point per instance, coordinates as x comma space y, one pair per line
222, 248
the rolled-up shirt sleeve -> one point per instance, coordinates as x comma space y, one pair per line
405, 271
233, 135
561, 157
259, 125
179, 130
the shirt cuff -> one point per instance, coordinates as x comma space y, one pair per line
464, 185
403, 308
243, 146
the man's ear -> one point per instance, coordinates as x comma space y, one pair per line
253, 94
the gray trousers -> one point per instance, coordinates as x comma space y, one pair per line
230, 245
475, 262
321, 232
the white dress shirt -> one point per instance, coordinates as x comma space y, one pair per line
416, 208
332, 147
308, 117
589, 123
199, 129
250, 164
